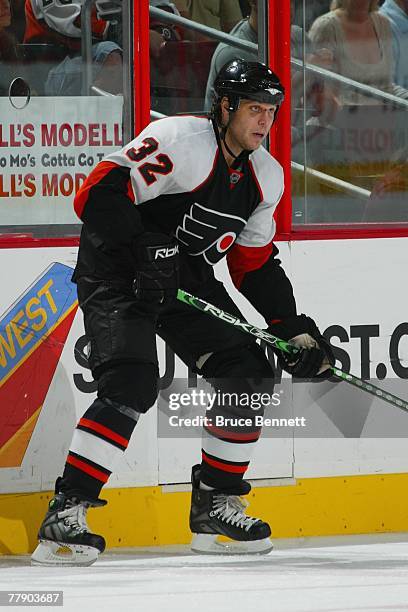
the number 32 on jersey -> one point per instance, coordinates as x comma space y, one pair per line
149, 170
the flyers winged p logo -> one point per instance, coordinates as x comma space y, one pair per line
208, 232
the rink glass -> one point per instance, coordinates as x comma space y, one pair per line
349, 151
355, 139
62, 110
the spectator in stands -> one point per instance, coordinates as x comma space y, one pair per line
218, 14
5, 15
312, 11
165, 5
161, 33
245, 8
318, 96
361, 43
61, 25
65, 79
397, 13
17, 26
360, 140
8, 48
5, 20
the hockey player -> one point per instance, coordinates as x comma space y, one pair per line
157, 215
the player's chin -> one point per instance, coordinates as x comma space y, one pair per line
256, 142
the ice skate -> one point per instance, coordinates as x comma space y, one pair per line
222, 513
64, 536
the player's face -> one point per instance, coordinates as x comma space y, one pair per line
250, 124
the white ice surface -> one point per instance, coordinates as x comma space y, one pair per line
322, 579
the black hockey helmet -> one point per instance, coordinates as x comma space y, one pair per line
239, 79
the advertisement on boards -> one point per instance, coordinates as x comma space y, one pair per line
43, 162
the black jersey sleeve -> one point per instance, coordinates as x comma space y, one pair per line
105, 204
259, 276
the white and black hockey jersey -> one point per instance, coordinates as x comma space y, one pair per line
59, 21
173, 179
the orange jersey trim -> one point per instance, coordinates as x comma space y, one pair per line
97, 174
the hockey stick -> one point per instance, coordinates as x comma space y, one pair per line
284, 346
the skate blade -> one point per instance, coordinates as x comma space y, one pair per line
207, 544
56, 553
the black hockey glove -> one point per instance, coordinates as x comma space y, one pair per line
316, 355
157, 271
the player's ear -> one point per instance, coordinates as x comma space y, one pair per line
224, 106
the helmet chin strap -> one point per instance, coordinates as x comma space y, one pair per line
226, 146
